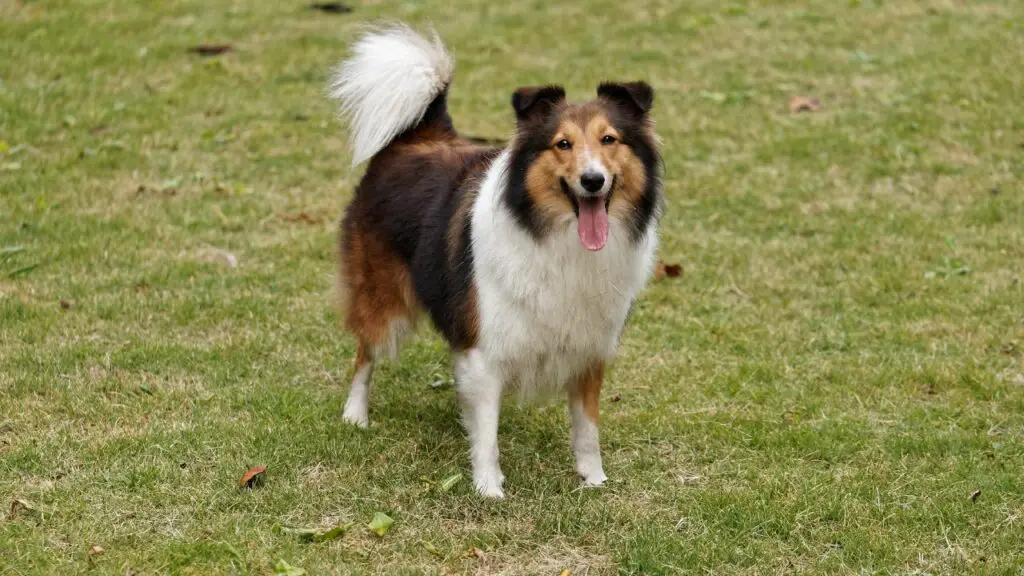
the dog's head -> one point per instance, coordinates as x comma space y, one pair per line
592, 163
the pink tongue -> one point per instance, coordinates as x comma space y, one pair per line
593, 223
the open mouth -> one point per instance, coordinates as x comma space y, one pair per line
591, 216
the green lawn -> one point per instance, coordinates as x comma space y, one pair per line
838, 369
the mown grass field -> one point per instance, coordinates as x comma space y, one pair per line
838, 369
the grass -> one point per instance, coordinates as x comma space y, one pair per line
836, 372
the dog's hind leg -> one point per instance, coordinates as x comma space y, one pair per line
380, 309
357, 405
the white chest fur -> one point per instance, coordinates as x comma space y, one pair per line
549, 308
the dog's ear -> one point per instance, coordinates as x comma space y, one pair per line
637, 97
536, 102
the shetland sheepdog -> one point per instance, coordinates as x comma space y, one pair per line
527, 257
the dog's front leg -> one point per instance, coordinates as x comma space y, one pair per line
479, 388
583, 407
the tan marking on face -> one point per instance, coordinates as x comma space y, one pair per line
584, 127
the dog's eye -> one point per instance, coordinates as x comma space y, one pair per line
608, 139
563, 144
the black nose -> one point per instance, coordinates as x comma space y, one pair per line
592, 181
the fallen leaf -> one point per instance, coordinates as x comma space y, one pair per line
975, 495
331, 7
617, 398
302, 533
300, 217
252, 478
95, 551
23, 271
283, 568
317, 535
380, 524
98, 129
333, 533
663, 270
65, 304
565, 572
19, 506
450, 482
475, 553
804, 104
430, 548
211, 49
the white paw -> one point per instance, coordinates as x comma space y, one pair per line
592, 474
356, 414
489, 484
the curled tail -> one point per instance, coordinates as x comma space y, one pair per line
386, 87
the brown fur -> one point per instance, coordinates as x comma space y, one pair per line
377, 289
584, 127
587, 390
399, 206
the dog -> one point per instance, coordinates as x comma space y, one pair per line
526, 257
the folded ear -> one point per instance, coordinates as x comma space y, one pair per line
535, 102
637, 97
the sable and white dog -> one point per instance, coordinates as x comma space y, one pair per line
527, 258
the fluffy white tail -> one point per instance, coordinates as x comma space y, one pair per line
387, 84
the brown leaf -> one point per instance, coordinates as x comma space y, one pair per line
211, 49
475, 553
300, 217
95, 551
975, 495
663, 270
98, 129
331, 7
65, 304
804, 104
252, 478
